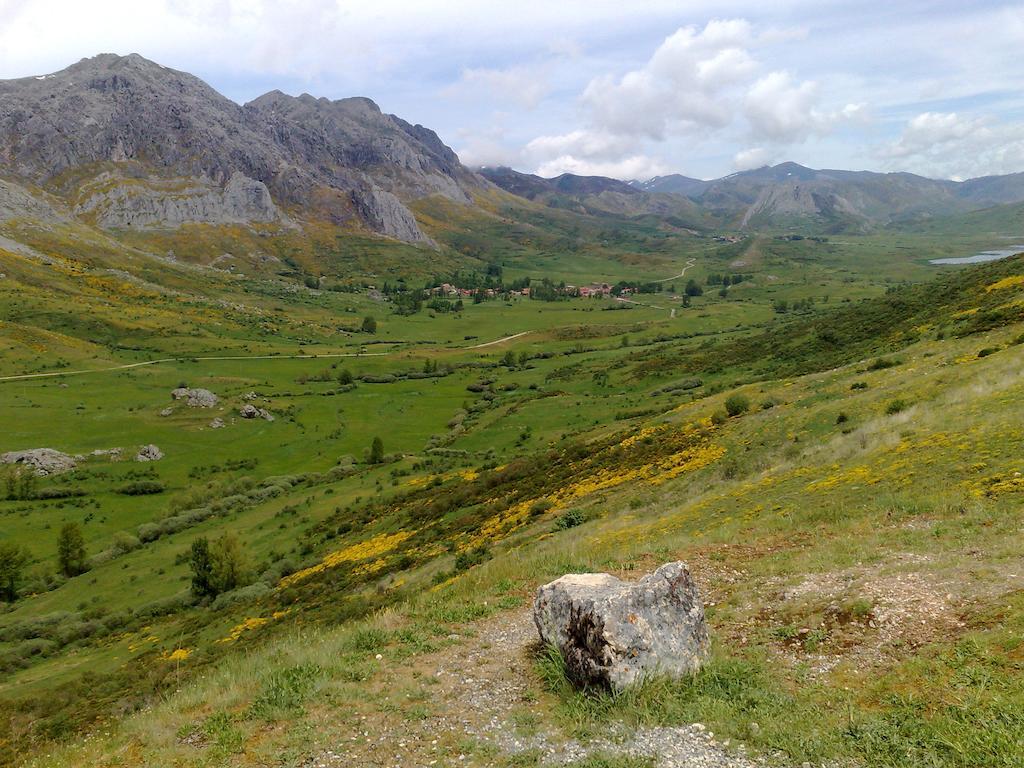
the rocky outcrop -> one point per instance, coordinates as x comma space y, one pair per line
42, 461
149, 453
157, 204
250, 411
387, 215
195, 398
613, 633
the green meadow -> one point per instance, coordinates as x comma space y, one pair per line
854, 525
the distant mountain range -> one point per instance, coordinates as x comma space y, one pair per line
124, 144
787, 194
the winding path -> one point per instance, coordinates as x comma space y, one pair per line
183, 358
690, 263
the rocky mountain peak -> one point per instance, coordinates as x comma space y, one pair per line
127, 116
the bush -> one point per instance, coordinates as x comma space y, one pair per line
987, 351
241, 595
842, 418
894, 407
539, 507
570, 519
719, 417
859, 385
141, 488
737, 404
881, 363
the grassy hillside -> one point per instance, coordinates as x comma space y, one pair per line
852, 528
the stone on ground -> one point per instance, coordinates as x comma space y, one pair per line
149, 453
195, 398
42, 461
613, 633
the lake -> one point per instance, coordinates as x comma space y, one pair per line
977, 258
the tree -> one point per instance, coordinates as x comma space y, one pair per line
71, 550
218, 566
345, 377
202, 569
13, 560
377, 451
369, 324
509, 360
229, 565
692, 289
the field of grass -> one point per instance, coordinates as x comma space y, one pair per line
873, 476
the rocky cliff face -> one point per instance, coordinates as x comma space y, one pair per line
157, 204
207, 159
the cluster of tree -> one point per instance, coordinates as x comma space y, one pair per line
369, 324
445, 305
727, 280
781, 306
636, 287
693, 289
21, 485
71, 560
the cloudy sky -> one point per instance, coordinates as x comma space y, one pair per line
623, 89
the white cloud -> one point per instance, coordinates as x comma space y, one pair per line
681, 88
755, 157
593, 145
526, 86
953, 145
632, 167
784, 111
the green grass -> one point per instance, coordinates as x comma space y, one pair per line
794, 492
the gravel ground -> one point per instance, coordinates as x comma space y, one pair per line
481, 690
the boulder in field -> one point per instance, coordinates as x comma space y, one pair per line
195, 398
613, 633
42, 461
250, 411
149, 453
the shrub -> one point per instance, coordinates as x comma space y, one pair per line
141, 488
539, 507
737, 404
241, 595
859, 385
842, 418
881, 363
719, 417
285, 691
987, 351
894, 407
570, 519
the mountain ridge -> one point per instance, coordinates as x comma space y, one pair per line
790, 194
128, 118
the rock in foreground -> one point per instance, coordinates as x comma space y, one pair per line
614, 633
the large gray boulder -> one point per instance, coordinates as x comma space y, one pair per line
42, 461
149, 453
195, 398
613, 633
